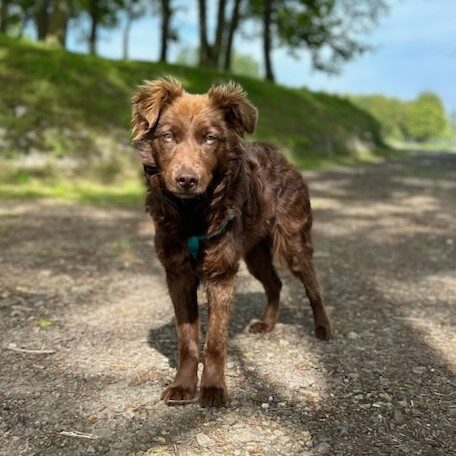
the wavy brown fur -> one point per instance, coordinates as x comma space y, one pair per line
174, 134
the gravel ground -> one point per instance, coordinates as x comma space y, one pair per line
83, 282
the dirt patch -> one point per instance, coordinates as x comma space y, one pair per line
84, 282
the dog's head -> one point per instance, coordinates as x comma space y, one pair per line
189, 137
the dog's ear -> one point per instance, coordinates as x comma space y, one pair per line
148, 102
232, 99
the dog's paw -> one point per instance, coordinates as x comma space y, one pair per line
259, 326
323, 332
212, 396
178, 393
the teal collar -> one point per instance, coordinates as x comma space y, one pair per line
193, 242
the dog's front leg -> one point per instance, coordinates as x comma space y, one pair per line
182, 289
220, 293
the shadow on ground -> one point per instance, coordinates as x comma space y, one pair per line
386, 384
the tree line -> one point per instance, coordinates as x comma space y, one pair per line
421, 120
330, 31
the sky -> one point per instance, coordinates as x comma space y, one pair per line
414, 50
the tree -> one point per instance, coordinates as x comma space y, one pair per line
102, 13
209, 54
425, 117
330, 30
14, 15
267, 41
41, 16
165, 14
58, 22
232, 27
4, 15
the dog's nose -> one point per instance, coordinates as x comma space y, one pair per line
186, 180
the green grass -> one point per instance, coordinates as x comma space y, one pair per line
76, 108
82, 192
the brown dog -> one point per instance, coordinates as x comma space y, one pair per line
215, 199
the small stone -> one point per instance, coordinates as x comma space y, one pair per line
270, 399
306, 436
159, 439
265, 405
20, 111
352, 335
450, 241
322, 448
387, 397
402, 403
204, 441
129, 414
419, 370
284, 343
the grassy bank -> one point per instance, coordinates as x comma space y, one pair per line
64, 120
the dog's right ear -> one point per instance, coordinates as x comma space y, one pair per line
148, 102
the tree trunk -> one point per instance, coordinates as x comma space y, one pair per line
42, 18
204, 49
230, 39
165, 22
4, 15
126, 36
267, 19
58, 23
217, 48
94, 17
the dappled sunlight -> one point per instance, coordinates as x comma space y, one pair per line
84, 282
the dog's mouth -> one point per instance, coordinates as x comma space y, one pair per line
187, 195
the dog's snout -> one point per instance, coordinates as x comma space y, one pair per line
186, 179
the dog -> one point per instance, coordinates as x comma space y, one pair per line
214, 200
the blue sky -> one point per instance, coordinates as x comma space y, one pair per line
415, 50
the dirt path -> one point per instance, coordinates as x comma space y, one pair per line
81, 281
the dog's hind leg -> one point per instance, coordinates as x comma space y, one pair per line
259, 263
298, 252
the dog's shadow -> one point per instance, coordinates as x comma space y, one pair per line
247, 307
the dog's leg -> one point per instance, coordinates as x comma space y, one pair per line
182, 289
299, 257
259, 263
220, 300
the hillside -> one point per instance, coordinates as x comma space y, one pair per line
79, 98
75, 111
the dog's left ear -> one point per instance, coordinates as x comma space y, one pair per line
232, 99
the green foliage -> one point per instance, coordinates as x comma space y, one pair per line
75, 111
390, 112
419, 120
332, 31
107, 10
425, 117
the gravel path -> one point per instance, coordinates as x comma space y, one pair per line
82, 282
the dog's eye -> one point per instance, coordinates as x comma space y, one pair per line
167, 136
210, 139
